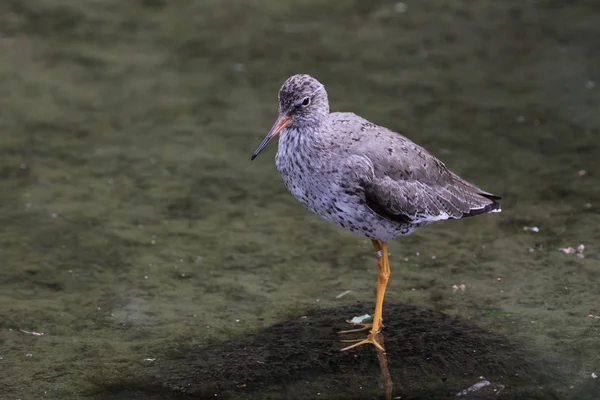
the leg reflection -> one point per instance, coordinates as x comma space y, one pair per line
386, 378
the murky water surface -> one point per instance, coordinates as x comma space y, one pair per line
142, 255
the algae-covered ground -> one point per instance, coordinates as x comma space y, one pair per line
158, 262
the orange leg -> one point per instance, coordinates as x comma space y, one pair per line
384, 275
367, 326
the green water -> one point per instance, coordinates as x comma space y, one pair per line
138, 237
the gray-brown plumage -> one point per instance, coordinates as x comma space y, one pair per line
361, 176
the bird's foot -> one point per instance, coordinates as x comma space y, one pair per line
372, 339
365, 327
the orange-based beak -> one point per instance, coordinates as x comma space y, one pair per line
279, 125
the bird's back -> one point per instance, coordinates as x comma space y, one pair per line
406, 183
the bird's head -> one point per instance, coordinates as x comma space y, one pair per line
303, 103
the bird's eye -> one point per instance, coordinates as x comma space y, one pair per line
306, 101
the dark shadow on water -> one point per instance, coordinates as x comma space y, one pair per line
429, 355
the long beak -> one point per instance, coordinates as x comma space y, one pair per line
279, 125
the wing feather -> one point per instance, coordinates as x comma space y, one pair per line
406, 184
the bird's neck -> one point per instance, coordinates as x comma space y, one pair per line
307, 139
302, 145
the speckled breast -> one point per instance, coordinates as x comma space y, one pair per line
318, 189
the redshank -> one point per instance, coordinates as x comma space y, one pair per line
363, 177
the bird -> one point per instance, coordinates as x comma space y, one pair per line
364, 178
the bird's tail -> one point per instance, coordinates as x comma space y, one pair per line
480, 201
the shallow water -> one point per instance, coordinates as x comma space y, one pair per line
158, 262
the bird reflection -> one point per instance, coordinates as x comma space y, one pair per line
386, 378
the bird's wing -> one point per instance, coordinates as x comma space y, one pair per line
405, 183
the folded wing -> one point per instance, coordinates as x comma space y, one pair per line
409, 185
